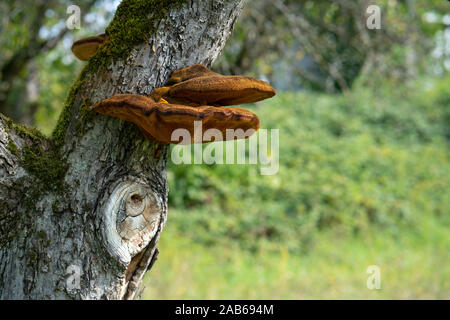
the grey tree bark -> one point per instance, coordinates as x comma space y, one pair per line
82, 220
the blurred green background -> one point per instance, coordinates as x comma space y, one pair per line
364, 176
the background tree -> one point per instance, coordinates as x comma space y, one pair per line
326, 44
30, 30
66, 202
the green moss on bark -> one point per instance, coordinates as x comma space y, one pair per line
59, 133
46, 165
12, 147
134, 22
38, 157
22, 130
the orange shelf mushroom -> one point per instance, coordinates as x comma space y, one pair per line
200, 85
194, 71
158, 120
193, 94
85, 48
222, 90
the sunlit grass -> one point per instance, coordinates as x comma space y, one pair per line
413, 266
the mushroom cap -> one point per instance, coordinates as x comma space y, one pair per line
160, 119
162, 95
222, 90
194, 71
159, 93
85, 48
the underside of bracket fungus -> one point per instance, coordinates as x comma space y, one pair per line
158, 120
193, 94
86, 48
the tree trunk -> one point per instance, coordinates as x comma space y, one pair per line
81, 214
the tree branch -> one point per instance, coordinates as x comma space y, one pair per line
65, 201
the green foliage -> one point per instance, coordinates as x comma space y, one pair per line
372, 158
35, 56
325, 45
55, 85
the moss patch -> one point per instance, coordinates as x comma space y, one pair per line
133, 24
86, 116
59, 133
12, 147
22, 130
46, 165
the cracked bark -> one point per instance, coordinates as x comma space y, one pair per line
97, 238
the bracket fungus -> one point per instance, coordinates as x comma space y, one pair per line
85, 48
222, 90
194, 71
158, 120
200, 85
196, 94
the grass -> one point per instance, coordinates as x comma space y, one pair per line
413, 266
